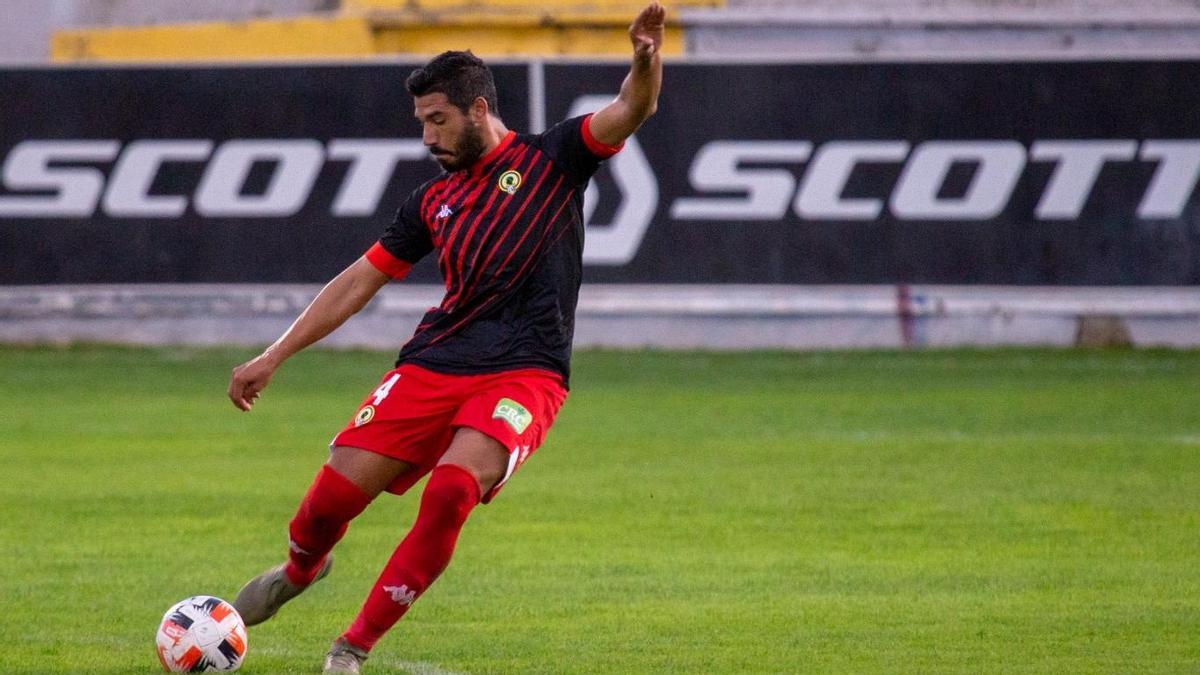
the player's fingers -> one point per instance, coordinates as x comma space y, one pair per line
240, 401
646, 26
654, 14
238, 393
643, 18
233, 390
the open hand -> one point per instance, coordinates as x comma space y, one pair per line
646, 33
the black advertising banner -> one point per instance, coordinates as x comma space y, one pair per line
276, 174
1021, 173
982, 173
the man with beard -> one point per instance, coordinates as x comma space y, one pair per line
478, 385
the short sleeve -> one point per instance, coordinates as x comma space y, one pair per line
572, 147
404, 242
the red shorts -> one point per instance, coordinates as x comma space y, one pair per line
414, 412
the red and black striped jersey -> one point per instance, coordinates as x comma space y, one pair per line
508, 233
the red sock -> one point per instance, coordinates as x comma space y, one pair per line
330, 504
448, 498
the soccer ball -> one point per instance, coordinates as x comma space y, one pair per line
201, 634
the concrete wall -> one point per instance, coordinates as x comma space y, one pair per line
142, 13
672, 317
888, 29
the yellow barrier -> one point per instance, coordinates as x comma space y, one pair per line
515, 34
628, 6
264, 38
494, 32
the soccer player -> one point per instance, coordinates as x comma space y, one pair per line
478, 385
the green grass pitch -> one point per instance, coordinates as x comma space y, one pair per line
958, 511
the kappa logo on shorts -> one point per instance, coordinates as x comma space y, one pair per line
514, 413
365, 415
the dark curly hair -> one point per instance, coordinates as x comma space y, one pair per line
461, 76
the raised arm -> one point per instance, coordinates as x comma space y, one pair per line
341, 298
638, 99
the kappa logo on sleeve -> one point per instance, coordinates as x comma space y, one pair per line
514, 413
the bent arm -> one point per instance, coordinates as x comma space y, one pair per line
341, 298
638, 98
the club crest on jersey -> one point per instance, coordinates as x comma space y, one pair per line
514, 413
365, 415
445, 211
509, 181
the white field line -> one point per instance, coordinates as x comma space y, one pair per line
411, 667
951, 436
422, 668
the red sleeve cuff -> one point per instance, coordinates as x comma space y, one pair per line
387, 263
598, 149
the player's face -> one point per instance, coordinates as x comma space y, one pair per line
454, 139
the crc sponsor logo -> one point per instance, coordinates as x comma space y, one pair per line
764, 193
513, 413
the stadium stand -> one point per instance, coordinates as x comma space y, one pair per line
357, 28
861, 29
868, 29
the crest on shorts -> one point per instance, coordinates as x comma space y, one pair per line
514, 413
509, 181
365, 415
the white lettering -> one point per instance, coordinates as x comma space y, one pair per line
297, 163
767, 191
617, 242
1079, 164
128, 191
820, 196
999, 167
730, 177
76, 189
1174, 180
373, 162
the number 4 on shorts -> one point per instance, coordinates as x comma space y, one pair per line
385, 388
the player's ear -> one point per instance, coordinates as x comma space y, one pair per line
479, 110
